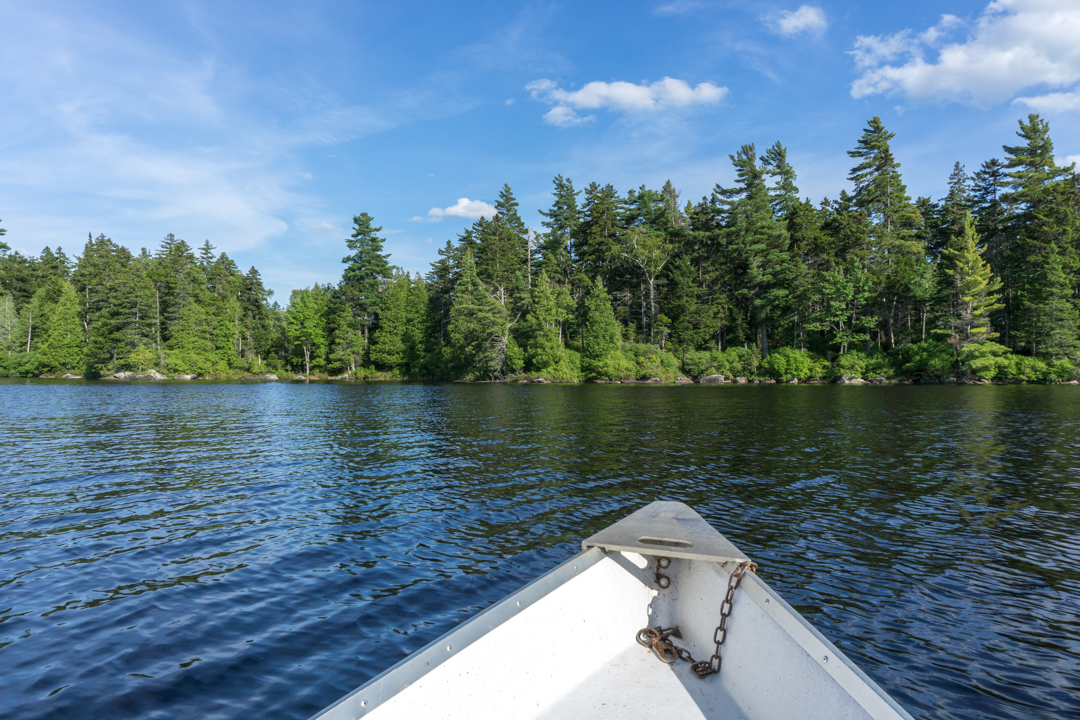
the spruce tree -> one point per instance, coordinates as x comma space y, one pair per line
544, 350
478, 330
417, 336
365, 270
597, 241
602, 336
388, 339
62, 342
347, 351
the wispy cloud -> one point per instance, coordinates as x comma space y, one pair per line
620, 96
807, 19
463, 208
324, 226
1014, 44
679, 8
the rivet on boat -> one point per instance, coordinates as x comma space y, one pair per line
449, 648
825, 659
766, 601
363, 703
519, 603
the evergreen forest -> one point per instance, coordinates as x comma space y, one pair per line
753, 280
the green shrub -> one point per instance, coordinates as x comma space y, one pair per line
698, 364
652, 362
786, 363
613, 366
1021, 368
933, 358
1061, 370
736, 362
566, 370
985, 360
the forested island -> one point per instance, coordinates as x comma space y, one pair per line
751, 281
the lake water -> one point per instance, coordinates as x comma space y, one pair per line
210, 550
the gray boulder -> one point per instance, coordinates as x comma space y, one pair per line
300, 377
793, 381
654, 381
850, 380
683, 381
70, 376
712, 380
540, 381
122, 376
741, 380
269, 376
184, 377
879, 381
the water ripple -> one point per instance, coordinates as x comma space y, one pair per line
220, 550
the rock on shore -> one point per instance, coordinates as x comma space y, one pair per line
126, 375
712, 380
269, 376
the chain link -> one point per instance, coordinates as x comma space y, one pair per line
657, 638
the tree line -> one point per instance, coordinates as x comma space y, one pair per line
751, 280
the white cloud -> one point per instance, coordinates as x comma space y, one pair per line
511, 101
1052, 102
304, 175
1070, 160
324, 226
463, 208
1013, 44
807, 19
624, 96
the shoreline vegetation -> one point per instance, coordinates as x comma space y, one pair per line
751, 283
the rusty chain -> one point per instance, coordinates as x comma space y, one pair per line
658, 640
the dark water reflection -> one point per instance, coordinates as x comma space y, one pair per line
224, 550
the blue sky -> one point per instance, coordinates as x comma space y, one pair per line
264, 127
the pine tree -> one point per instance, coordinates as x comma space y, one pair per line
365, 271
1043, 259
561, 221
784, 194
895, 251
757, 244
975, 289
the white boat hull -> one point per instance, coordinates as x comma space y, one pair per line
565, 646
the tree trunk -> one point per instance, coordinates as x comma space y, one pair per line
764, 341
